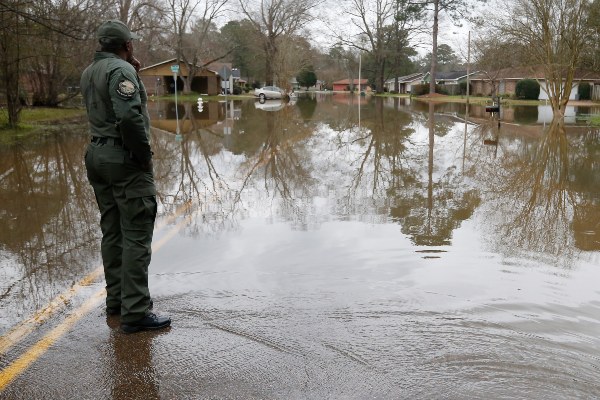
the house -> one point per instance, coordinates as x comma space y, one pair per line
158, 78
345, 84
505, 81
228, 74
405, 83
450, 80
319, 85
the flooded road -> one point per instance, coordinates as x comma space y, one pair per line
332, 247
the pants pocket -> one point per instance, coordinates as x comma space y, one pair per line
141, 206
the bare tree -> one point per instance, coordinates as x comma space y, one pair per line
40, 39
275, 20
10, 54
371, 23
385, 29
453, 8
294, 55
491, 54
137, 14
591, 57
193, 22
554, 32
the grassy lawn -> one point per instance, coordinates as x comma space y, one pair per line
36, 115
594, 120
481, 100
34, 119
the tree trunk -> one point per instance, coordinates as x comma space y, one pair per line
436, 12
10, 64
270, 53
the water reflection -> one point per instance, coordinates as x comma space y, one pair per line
531, 191
374, 160
48, 220
315, 227
535, 199
130, 368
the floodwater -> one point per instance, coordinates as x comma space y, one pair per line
331, 247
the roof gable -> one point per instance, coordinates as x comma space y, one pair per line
347, 82
407, 78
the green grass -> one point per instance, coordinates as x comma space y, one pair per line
35, 119
595, 120
34, 115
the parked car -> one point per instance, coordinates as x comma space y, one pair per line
269, 92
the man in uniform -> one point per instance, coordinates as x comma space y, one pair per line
119, 168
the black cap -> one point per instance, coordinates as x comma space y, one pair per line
115, 32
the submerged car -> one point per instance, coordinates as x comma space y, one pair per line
269, 92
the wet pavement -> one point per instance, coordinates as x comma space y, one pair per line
318, 249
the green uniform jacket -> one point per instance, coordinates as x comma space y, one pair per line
115, 99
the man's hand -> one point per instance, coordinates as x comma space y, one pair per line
136, 63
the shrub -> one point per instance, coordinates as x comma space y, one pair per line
418, 90
585, 91
441, 89
527, 89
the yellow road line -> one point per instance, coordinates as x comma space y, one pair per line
24, 328
8, 374
17, 367
20, 331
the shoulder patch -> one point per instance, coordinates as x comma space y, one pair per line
126, 89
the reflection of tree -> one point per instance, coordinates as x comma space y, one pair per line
49, 215
285, 170
188, 177
535, 202
431, 214
383, 137
307, 106
585, 175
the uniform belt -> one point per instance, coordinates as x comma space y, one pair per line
107, 140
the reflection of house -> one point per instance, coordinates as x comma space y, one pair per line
163, 115
158, 79
405, 83
349, 99
505, 81
346, 84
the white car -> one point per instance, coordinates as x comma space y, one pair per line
269, 92
269, 105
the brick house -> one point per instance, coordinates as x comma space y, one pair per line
344, 85
505, 81
158, 79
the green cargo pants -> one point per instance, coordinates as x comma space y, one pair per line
126, 197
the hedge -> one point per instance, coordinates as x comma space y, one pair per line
527, 89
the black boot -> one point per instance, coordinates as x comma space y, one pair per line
150, 322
